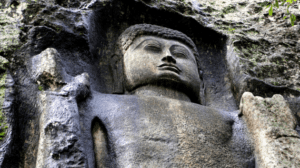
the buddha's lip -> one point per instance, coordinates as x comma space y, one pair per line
170, 67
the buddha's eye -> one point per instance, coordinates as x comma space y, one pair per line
179, 52
179, 55
153, 47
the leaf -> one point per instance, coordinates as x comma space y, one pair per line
287, 9
284, 17
276, 3
289, 1
293, 19
271, 10
292, 22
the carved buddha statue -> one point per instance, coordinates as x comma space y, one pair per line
155, 120
159, 121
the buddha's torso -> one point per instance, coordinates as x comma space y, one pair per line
162, 132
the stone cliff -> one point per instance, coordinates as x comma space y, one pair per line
242, 49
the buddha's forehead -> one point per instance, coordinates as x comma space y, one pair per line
164, 43
161, 40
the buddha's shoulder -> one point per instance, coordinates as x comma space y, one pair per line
99, 99
108, 101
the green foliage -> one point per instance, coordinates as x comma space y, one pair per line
275, 3
41, 88
229, 9
3, 125
293, 19
231, 30
271, 10
276, 83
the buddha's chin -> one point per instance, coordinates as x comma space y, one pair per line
168, 75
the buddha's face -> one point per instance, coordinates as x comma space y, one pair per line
153, 59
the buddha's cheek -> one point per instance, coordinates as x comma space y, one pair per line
189, 73
139, 68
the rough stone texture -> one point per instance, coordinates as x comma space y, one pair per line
263, 51
84, 33
10, 32
4, 113
272, 125
267, 46
60, 142
46, 69
8, 117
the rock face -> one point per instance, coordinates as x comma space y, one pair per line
240, 49
263, 50
45, 68
272, 125
60, 144
267, 46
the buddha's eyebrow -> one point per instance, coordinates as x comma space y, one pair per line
147, 40
183, 50
180, 48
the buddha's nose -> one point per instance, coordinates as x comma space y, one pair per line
169, 59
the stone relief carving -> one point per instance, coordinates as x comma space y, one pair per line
161, 114
156, 118
59, 141
272, 126
158, 121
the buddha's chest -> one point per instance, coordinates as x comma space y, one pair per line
166, 132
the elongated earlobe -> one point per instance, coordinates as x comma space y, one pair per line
201, 94
202, 89
116, 65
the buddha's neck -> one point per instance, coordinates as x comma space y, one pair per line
150, 90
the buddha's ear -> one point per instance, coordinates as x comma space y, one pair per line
116, 64
202, 89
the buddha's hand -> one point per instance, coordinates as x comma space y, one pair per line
79, 87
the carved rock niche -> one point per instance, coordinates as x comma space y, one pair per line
78, 106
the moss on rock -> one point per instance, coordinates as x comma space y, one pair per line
3, 123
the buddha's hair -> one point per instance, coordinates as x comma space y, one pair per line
131, 33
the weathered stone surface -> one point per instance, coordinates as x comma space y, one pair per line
7, 115
159, 121
46, 69
240, 49
266, 45
60, 142
262, 50
272, 125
